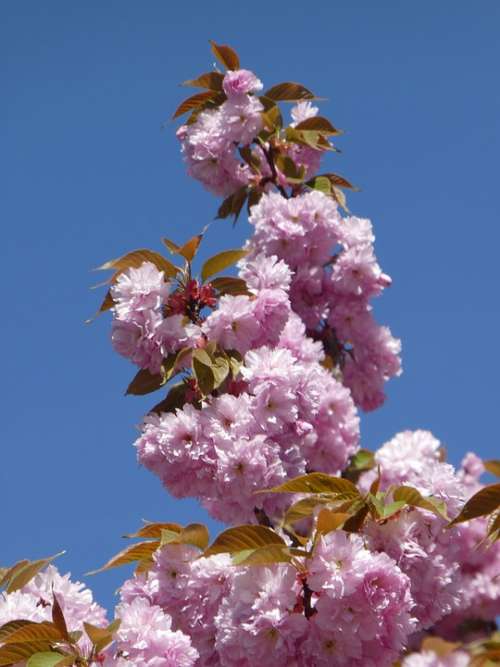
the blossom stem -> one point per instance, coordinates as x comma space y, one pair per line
309, 610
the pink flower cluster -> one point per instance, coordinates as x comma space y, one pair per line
360, 606
34, 602
479, 568
453, 576
311, 352
335, 274
140, 330
144, 637
335, 271
243, 323
289, 416
209, 143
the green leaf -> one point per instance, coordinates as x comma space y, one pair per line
482, 503
135, 259
230, 285
49, 659
195, 534
319, 124
361, 461
175, 399
381, 510
226, 55
287, 166
101, 637
235, 361
220, 370
202, 371
289, 92
493, 466
303, 509
210, 80
145, 382
321, 183
317, 482
414, 498
393, 508
221, 261
272, 118
309, 138
154, 529
23, 575
135, 552
196, 101
168, 536
266, 555
364, 459
171, 365
13, 653
241, 538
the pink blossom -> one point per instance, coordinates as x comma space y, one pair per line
145, 637
302, 111
303, 228
240, 82
34, 602
233, 324
261, 272
242, 119
138, 289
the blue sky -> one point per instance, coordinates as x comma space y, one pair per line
88, 173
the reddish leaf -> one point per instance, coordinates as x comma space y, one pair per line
58, 618
319, 124
289, 92
194, 102
226, 55
135, 259
145, 382
210, 80
482, 503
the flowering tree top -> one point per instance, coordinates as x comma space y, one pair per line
333, 554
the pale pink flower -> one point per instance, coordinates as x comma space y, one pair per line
240, 82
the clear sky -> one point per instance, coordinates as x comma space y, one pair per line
87, 173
